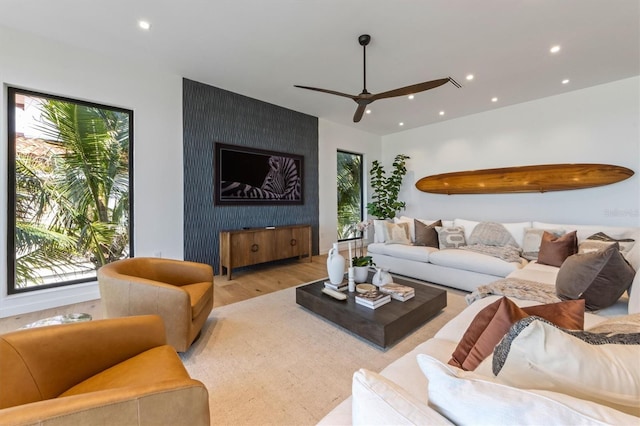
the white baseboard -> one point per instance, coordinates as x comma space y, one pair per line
18, 304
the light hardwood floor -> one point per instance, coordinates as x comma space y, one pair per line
246, 283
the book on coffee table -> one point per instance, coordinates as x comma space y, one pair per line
339, 287
398, 291
372, 299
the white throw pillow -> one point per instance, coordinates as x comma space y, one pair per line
467, 398
468, 226
535, 354
379, 401
378, 230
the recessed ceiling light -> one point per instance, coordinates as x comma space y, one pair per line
401, 124
410, 96
470, 77
441, 113
368, 111
145, 25
555, 49
494, 99
565, 81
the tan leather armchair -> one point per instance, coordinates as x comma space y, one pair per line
115, 371
181, 292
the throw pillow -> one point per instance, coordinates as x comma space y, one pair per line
426, 235
554, 250
397, 233
618, 325
493, 322
378, 400
466, 398
450, 237
600, 277
491, 234
536, 354
533, 239
379, 230
409, 221
600, 241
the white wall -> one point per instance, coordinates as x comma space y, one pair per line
334, 137
156, 99
594, 125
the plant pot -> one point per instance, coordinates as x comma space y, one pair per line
360, 274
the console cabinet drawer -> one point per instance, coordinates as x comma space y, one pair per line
258, 245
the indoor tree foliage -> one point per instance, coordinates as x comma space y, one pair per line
386, 188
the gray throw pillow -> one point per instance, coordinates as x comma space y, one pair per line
491, 234
426, 235
600, 277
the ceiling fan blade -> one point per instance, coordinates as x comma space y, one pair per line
408, 90
331, 92
359, 112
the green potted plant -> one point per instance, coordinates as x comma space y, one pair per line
385, 202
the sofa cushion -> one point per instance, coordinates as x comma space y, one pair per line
467, 398
377, 400
493, 322
426, 235
409, 221
533, 239
536, 354
472, 261
599, 277
554, 250
416, 253
450, 237
622, 324
467, 225
534, 271
379, 230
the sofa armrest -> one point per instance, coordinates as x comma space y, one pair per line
54, 358
173, 402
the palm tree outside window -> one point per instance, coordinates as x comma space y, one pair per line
350, 195
70, 175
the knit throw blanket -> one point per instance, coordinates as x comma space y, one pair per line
518, 288
506, 253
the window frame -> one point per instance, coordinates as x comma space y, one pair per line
362, 194
12, 93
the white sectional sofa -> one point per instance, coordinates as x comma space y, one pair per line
422, 388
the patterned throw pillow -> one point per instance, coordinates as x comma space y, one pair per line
601, 241
451, 237
397, 233
491, 234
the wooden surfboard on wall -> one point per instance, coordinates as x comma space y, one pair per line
540, 178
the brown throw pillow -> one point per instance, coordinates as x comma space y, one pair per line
554, 250
426, 235
492, 323
600, 277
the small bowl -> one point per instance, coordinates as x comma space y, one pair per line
365, 288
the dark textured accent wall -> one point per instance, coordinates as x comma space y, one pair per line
214, 115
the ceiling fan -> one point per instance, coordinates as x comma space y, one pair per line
365, 98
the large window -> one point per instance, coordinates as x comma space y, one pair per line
70, 183
350, 206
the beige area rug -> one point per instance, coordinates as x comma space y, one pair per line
268, 361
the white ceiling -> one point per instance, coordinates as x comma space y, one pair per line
261, 48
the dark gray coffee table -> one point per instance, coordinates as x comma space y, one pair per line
383, 326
